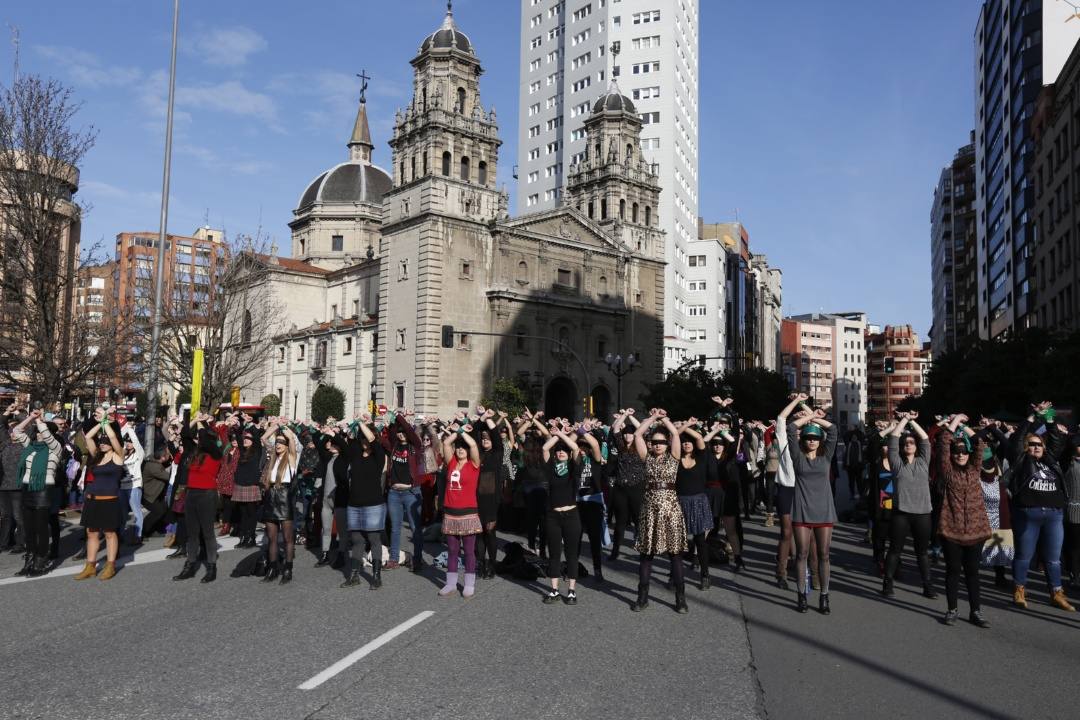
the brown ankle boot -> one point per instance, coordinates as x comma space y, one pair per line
1018, 597
88, 571
1059, 600
108, 571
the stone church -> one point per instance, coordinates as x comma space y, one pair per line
383, 261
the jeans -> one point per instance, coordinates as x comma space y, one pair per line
1042, 527
301, 513
331, 515
401, 503
135, 501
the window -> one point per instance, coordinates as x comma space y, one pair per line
446, 164
281, 354
535, 20
644, 43
532, 199
696, 285
521, 342
602, 285
481, 172
348, 346
535, 42
695, 310
534, 154
581, 84
534, 109
554, 123
399, 394
465, 169
564, 277
461, 100
300, 351
534, 87
647, 16
333, 311
401, 334
601, 348
552, 147
582, 13
466, 269
534, 131
650, 118
646, 67
522, 272
645, 93
696, 261
464, 342
337, 243
403, 270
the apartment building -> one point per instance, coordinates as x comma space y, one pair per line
571, 51
824, 355
900, 346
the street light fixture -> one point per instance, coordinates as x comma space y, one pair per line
620, 366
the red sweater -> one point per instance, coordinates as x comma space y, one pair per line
203, 476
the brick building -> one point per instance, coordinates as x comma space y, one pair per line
909, 359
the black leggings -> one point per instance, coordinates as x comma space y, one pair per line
37, 530
248, 516
563, 529
626, 507
374, 539
592, 523
957, 558
917, 525
645, 569
702, 548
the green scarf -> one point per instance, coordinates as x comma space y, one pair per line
38, 469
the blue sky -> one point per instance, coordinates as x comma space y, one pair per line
823, 124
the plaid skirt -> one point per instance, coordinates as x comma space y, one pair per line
247, 493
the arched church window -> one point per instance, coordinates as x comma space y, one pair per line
603, 208
629, 151
648, 215
425, 163
481, 172
465, 168
401, 171
590, 209
412, 168
633, 213
523, 272
245, 330
423, 100
622, 209
602, 285
461, 100
446, 164
599, 155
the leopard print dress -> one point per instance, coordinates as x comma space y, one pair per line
660, 527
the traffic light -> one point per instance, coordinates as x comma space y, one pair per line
890, 365
448, 336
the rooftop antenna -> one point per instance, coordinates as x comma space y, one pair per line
15, 45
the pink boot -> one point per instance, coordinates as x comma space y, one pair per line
470, 585
451, 584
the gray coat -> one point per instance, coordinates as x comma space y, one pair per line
10, 452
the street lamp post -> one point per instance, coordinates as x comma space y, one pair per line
295, 400
619, 366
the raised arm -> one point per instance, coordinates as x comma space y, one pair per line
690, 429
640, 447
117, 446
594, 448
674, 446
474, 449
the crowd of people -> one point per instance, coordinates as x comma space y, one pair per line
979, 494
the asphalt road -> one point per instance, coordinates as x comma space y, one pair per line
142, 646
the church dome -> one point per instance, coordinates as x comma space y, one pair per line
447, 37
613, 101
349, 182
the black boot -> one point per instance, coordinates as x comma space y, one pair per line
28, 563
680, 598
211, 573
376, 575
705, 582
417, 564
887, 587
598, 574
272, 571
324, 560
802, 604
928, 591
339, 561
481, 568
260, 568
286, 573
739, 564
187, 572
353, 581
642, 601
823, 604
38, 567
180, 552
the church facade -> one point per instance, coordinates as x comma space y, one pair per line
542, 299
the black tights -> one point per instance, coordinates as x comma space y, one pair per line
374, 540
36, 533
626, 507
702, 548
487, 541
290, 540
966, 558
645, 569
901, 525
804, 538
248, 514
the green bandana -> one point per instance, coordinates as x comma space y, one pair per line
39, 467
561, 468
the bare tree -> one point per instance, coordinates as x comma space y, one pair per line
234, 324
45, 348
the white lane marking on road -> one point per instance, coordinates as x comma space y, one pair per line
345, 662
139, 558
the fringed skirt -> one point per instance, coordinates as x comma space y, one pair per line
461, 522
660, 526
697, 513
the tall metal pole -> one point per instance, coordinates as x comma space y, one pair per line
159, 271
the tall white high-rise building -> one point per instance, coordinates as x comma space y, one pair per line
571, 50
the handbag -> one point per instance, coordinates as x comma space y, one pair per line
999, 539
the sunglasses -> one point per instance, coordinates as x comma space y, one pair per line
960, 451
658, 442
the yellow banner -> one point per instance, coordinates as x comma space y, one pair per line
234, 397
196, 381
